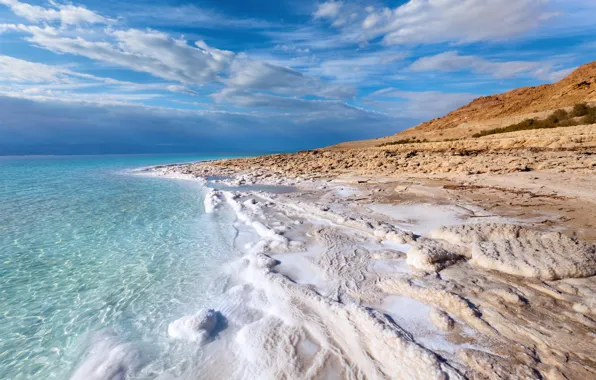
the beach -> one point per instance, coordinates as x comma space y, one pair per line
298, 190
365, 274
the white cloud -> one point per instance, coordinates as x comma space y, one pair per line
329, 10
452, 61
422, 105
47, 94
292, 49
252, 100
436, 21
176, 59
185, 63
181, 90
31, 80
159, 14
308, 37
358, 68
258, 75
146, 51
66, 14
18, 70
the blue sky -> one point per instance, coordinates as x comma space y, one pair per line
107, 76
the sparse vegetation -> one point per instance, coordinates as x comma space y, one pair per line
580, 109
409, 140
581, 114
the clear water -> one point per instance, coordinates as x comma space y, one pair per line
86, 247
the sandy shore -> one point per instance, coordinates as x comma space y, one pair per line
411, 276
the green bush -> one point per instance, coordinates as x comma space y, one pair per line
409, 140
561, 114
559, 118
568, 123
580, 109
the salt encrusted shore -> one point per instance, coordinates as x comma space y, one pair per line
407, 277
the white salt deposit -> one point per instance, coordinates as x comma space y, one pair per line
194, 328
300, 268
420, 218
428, 256
519, 251
295, 332
296, 312
346, 191
167, 172
269, 235
441, 319
212, 201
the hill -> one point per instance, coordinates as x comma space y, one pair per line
490, 136
489, 112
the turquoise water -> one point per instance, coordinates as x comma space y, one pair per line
86, 247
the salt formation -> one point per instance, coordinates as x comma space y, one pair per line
194, 328
269, 236
516, 250
322, 322
299, 334
212, 200
441, 319
440, 298
430, 256
387, 232
494, 367
346, 338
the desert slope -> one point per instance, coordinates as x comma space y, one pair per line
500, 110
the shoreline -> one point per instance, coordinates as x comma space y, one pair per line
371, 252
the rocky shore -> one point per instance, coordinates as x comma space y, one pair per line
483, 259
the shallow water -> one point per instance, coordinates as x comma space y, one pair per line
86, 249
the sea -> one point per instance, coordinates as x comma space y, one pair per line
91, 251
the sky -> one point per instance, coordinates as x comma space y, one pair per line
140, 76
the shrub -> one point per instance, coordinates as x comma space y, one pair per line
568, 123
590, 118
548, 123
561, 114
580, 109
409, 140
559, 118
